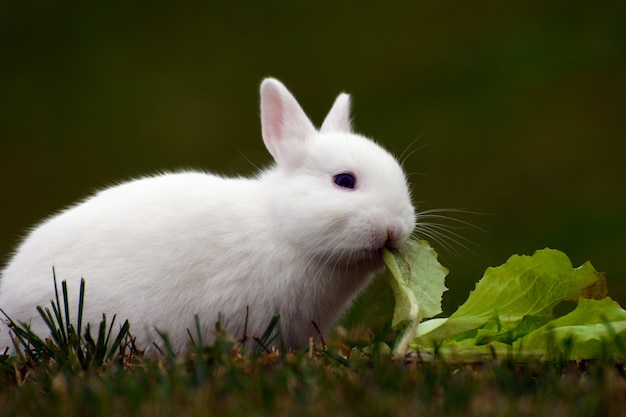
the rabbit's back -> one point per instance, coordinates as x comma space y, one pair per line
155, 250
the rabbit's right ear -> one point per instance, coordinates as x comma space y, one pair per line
284, 124
338, 118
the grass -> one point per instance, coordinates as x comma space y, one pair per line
73, 374
67, 346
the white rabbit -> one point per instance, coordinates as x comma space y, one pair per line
301, 239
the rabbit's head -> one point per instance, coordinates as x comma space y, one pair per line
337, 195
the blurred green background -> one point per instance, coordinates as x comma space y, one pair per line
518, 108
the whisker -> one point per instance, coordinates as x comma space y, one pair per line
446, 233
404, 156
406, 149
453, 210
460, 224
441, 241
439, 214
443, 228
248, 160
419, 174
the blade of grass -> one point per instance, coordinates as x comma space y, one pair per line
55, 309
267, 337
66, 305
81, 305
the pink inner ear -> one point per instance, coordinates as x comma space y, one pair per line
273, 120
276, 120
284, 124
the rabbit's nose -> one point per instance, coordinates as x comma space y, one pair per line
395, 236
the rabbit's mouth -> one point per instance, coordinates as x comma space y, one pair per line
372, 258
369, 259
364, 259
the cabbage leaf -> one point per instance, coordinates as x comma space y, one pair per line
417, 280
511, 312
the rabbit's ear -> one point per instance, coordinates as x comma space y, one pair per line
284, 124
338, 118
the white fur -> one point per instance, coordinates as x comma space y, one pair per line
160, 249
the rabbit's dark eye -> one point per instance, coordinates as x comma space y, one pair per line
345, 180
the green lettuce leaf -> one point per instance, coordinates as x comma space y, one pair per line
417, 280
596, 328
513, 305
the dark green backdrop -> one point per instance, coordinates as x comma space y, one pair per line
521, 106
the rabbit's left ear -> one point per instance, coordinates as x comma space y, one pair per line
284, 124
338, 118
